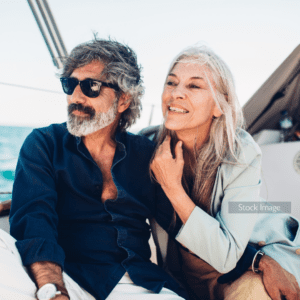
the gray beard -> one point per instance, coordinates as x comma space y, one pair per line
82, 126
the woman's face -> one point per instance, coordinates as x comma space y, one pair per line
187, 99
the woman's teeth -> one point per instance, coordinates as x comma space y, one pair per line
178, 110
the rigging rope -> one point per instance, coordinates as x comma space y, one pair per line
30, 88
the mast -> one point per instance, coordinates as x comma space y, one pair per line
49, 30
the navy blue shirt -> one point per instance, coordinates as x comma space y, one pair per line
57, 214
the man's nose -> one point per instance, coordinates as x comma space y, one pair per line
77, 96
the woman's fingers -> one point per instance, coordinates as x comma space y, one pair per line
165, 148
164, 153
166, 169
166, 145
179, 152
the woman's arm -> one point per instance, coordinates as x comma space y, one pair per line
168, 173
277, 281
222, 240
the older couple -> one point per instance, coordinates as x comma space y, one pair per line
83, 191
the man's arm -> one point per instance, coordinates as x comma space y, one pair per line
47, 272
33, 214
277, 281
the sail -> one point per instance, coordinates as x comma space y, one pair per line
280, 92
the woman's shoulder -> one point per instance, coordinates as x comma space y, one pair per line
248, 155
247, 148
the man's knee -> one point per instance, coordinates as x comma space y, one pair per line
8, 247
15, 282
248, 287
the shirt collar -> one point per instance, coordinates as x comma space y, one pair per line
120, 154
119, 138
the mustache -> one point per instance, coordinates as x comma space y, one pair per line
85, 109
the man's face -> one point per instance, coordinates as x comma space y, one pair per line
87, 115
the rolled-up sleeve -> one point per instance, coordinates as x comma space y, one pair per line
221, 241
33, 217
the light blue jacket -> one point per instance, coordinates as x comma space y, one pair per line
221, 237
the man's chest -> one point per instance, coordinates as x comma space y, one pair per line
109, 189
86, 185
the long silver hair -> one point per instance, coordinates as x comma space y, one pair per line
222, 145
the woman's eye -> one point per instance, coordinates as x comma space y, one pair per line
170, 83
193, 86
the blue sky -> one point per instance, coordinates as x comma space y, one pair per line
253, 37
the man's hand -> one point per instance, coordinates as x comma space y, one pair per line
47, 272
277, 281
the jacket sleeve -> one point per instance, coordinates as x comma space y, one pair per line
33, 218
221, 240
241, 267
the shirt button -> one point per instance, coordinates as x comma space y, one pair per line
262, 243
298, 251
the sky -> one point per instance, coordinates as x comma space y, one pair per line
253, 37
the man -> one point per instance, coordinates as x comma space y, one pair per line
82, 192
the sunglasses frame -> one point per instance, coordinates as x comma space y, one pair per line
87, 92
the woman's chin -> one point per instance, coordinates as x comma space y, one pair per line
169, 125
176, 124
172, 126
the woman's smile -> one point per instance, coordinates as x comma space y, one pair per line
177, 109
187, 100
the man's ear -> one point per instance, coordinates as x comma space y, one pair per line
123, 103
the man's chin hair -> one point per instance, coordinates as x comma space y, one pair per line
82, 127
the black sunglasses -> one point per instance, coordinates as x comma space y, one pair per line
89, 87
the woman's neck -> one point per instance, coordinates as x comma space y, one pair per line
192, 140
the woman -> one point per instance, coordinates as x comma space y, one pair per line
209, 168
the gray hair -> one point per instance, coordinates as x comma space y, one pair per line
224, 127
121, 68
223, 143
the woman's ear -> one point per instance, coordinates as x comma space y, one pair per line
124, 102
217, 112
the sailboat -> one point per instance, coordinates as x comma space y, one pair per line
281, 91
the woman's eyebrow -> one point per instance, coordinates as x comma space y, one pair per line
172, 74
197, 77
191, 78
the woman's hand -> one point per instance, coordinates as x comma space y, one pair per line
168, 170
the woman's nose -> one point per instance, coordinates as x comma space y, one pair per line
179, 91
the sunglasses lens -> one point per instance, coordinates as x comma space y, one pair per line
90, 88
69, 85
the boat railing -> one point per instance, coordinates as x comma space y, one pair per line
5, 205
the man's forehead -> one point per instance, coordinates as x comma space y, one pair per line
92, 70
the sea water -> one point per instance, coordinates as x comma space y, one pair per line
11, 140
